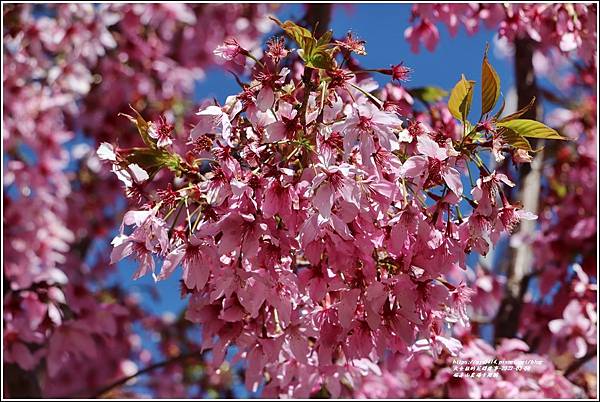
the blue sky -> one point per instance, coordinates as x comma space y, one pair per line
382, 26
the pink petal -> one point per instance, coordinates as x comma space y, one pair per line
265, 98
431, 36
452, 178
404, 329
146, 265
341, 228
398, 236
347, 307
230, 240
232, 311
195, 275
256, 360
577, 346
529, 216
323, 200
136, 218
276, 131
317, 288
299, 347
429, 147
252, 297
414, 166
452, 345
120, 251
171, 262
412, 38
284, 308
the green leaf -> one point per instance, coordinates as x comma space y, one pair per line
531, 129
559, 188
142, 127
461, 97
490, 86
514, 139
302, 36
320, 59
429, 94
152, 160
519, 112
325, 39
295, 31
314, 52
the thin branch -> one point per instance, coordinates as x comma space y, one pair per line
164, 363
573, 367
555, 98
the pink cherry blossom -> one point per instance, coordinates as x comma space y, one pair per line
432, 165
336, 238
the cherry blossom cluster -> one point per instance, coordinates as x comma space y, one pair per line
160, 50
322, 223
567, 27
41, 87
556, 337
565, 244
318, 229
64, 81
510, 370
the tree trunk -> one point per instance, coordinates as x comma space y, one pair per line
318, 16
520, 259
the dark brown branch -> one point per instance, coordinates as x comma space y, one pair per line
507, 319
19, 383
577, 364
104, 390
525, 77
555, 98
